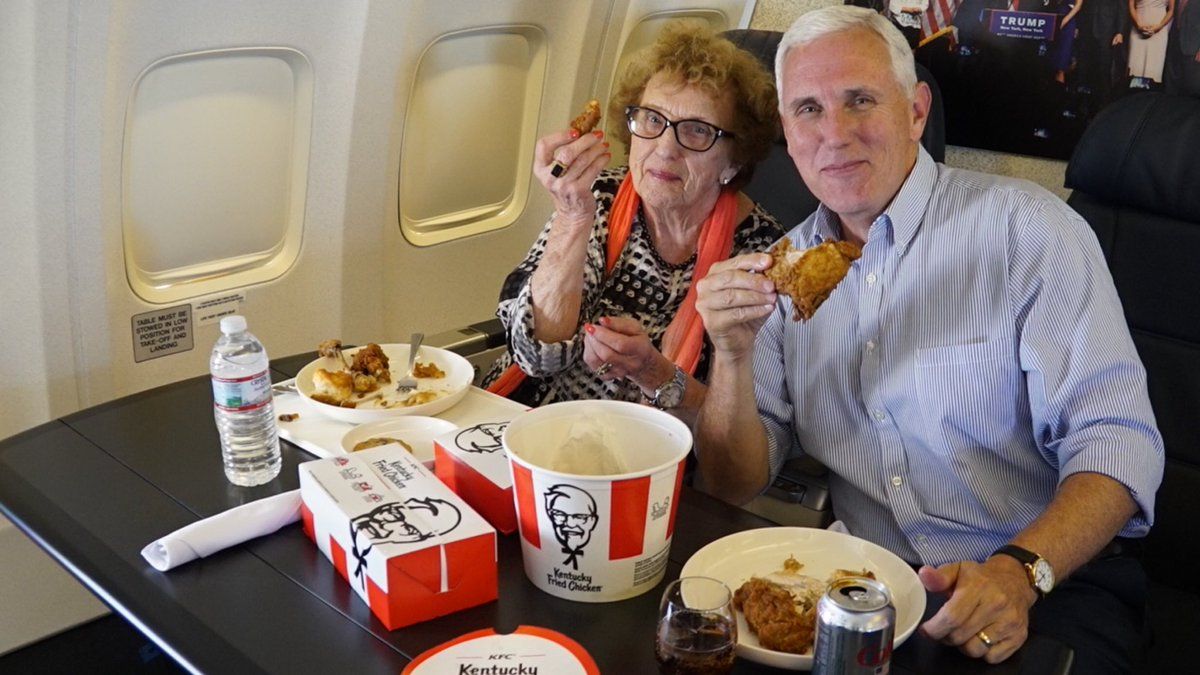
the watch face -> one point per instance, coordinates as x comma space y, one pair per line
1043, 576
670, 396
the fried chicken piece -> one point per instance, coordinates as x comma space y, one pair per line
772, 613
371, 360
429, 370
332, 349
365, 384
419, 397
378, 441
809, 276
587, 120
332, 386
841, 574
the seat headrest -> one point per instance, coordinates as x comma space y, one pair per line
1142, 152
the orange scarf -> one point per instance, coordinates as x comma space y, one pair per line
684, 338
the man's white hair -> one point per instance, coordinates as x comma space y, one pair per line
820, 23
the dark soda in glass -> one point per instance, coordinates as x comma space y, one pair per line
695, 643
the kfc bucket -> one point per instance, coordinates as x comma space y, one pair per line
596, 484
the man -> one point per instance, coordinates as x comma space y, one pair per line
971, 383
1181, 74
1103, 29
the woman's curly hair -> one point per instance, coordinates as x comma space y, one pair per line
699, 57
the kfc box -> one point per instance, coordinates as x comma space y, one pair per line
411, 548
471, 460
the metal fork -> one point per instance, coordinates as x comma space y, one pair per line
407, 383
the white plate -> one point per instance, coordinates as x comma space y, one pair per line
459, 374
737, 557
415, 430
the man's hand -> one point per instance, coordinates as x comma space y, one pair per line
734, 302
993, 597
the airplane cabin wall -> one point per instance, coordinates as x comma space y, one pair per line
76, 76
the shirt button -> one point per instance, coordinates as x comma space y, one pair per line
897, 481
871, 279
870, 345
922, 539
879, 415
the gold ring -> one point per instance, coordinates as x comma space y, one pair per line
603, 369
983, 637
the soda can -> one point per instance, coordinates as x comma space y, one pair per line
855, 625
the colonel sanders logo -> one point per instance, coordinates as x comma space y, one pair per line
390, 523
481, 437
572, 513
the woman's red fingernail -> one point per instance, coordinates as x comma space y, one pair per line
574, 133
590, 328
598, 134
604, 321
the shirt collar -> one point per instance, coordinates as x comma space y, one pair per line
905, 212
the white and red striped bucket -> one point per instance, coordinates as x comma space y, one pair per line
596, 538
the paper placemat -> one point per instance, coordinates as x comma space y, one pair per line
528, 649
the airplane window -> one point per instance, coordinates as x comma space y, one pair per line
214, 170
469, 132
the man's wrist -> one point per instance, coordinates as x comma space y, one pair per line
1013, 568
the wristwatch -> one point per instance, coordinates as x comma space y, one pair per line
1040, 573
670, 393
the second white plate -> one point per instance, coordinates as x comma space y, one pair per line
418, 432
739, 556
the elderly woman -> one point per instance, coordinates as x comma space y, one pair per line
604, 304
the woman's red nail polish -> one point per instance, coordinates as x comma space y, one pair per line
598, 134
574, 133
589, 328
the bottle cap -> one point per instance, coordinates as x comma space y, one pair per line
233, 324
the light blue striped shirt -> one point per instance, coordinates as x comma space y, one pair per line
974, 357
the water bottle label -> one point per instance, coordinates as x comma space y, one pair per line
243, 393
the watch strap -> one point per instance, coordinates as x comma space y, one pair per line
1025, 556
1028, 560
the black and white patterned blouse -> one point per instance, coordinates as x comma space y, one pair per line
642, 285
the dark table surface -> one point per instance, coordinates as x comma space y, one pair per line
95, 487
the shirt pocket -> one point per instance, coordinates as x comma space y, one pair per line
968, 395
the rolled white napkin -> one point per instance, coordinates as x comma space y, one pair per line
228, 528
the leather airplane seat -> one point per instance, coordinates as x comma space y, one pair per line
1135, 178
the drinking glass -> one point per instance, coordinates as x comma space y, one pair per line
697, 629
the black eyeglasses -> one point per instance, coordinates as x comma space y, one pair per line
695, 135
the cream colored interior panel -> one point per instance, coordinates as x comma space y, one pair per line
215, 170
298, 223
471, 121
456, 281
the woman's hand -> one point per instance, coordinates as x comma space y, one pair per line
583, 157
621, 342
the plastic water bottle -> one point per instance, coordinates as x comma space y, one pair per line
242, 405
